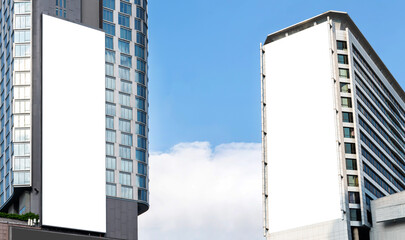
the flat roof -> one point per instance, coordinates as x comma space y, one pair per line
345, 20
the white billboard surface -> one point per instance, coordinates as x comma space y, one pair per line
301, 134
73, 135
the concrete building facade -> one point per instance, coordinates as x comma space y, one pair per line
332, 130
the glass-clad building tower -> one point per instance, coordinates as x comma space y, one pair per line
333, 130
125, 25
95, 50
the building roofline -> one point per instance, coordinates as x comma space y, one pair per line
343, 17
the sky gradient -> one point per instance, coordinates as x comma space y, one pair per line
204, 61
205, 121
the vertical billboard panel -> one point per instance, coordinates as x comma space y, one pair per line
73, 88
302, 157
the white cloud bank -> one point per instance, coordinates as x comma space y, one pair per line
197, 192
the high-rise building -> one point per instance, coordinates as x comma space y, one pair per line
74, 114
333, 130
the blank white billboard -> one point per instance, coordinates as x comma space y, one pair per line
301, 134
73, 126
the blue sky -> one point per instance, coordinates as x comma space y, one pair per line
204, 61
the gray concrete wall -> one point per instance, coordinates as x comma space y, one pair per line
330, 230
388, 214
122, 218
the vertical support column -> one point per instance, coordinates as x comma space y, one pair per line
264, 144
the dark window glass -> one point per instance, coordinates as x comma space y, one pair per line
351, 164
109, 42
355, 215
347, 117
345, 87
109, 4
138, 24
354, 197
123, 20
108, 15
343, 59
346, 102
343, 72
341, 45
350, 148
352, 181
126, 34
348, 132
109, 28
125, 8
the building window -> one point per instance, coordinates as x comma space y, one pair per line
126, 113
126, 87
123, 46
125, 99
140, 103
110, 162
109, 42
109, 28
110, 109
355, 215
125, 178
140, 65
125, 152
142, 168
342, 59
140, 13
110, 135
141, 181
126, 192
111, 190
140, 77
345, 87
139, 51
354, 197
109, 69
126, 60
141, 117
142, 194
140, 38
140, 129
123, 20
125, 34
344, 73
347, 117
141, 91
352, 181
109, 95
138, 24
124, 73
351, 164
109, 122
109, 149
108, 15
141, 156
22, 7
348, 132
110, 176
141, 142
22, 36
125, 125
126, 166
125, 8
341, 45
126, 139
109, 4
350, 148
346, 102
110, 56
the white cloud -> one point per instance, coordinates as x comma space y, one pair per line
200, 193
